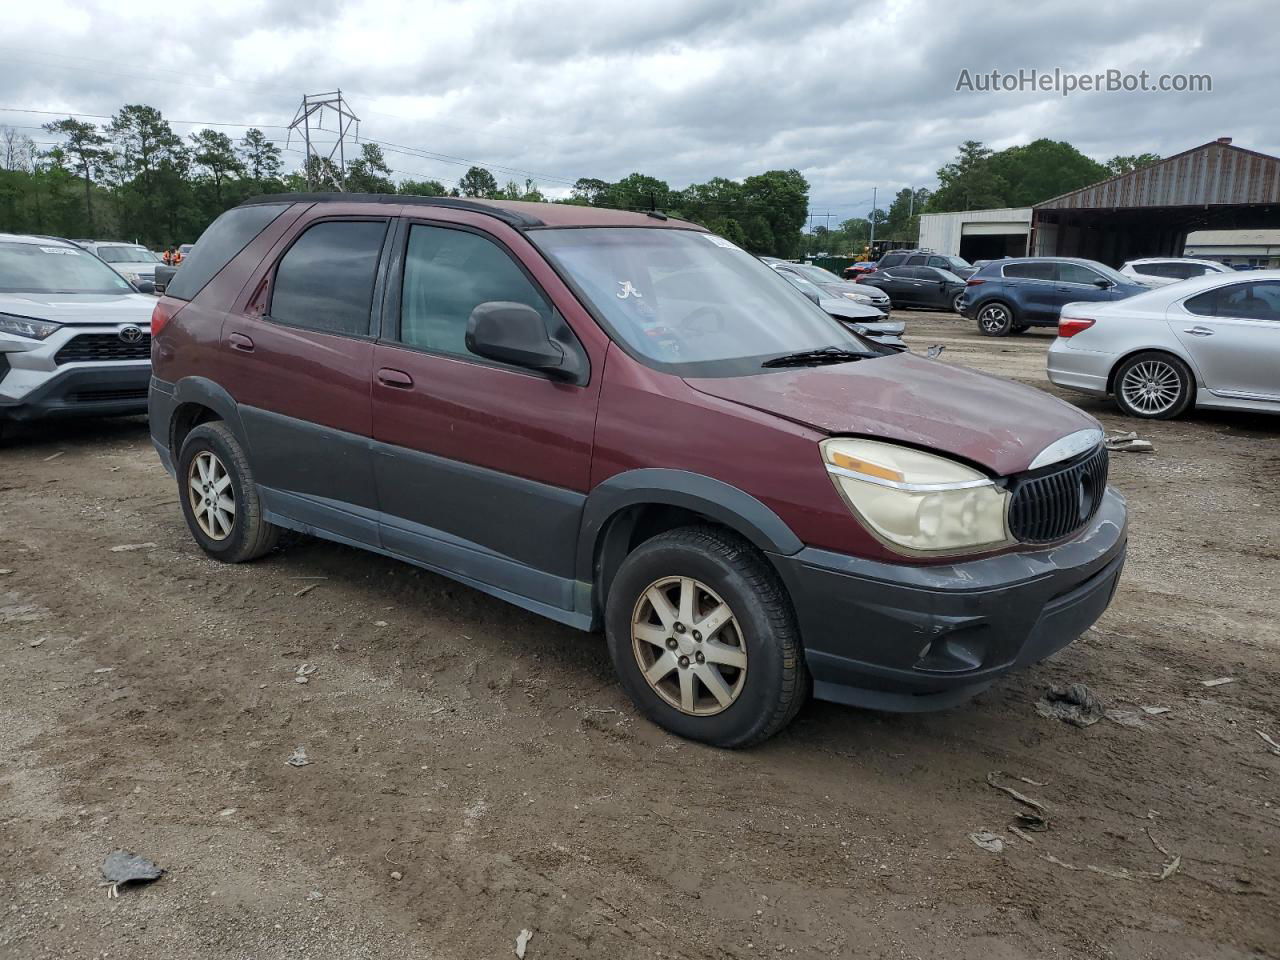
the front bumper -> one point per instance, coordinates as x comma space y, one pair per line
82, 390
909, 638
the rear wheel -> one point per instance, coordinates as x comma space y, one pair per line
995, 319
220, 496
703, 638
1154, 386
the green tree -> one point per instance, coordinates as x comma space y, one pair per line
148, 166
781, 197
903, 222
423, 188
636, 191
478, 182
968, 183
369, 173
1121, 164
259, 156
214, 153
590, 191
84, 148
1042, 169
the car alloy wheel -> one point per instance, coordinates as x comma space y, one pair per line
1151, 387
995, 320
955, 303
212, 497
688, 645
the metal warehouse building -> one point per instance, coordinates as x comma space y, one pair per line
1146, 213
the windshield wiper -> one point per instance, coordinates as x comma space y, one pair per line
825, 355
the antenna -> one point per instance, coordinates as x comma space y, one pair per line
321, 169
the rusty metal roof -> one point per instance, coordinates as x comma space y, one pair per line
1212, 174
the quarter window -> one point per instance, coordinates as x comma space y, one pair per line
325, 281
447, 274
1030, 271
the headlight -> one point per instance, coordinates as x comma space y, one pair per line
26, 326
861, 297
917, 502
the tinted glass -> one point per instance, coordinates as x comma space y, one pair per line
325, 281
690, 303
1149, 269
916, 273
917, 260
1250, 301
55, 268
447, 274
126, 255
891, 259
1076, 273
224, 238
1030, 271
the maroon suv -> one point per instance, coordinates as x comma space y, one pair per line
625, 422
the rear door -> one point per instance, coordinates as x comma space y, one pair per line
482, 468
1033, 287
1232, 334
299, 361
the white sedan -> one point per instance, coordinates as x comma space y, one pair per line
1211, 341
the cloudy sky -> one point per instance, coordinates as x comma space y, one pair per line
855, 95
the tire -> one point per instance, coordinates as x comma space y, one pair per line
768, 689
995, 319
955, 303
247, 536
1153, 386
1021, 327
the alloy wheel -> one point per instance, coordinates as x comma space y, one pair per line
994, 318
955, 304
211, 495
688, 645
1151, 387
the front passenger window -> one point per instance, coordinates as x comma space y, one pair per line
447, 274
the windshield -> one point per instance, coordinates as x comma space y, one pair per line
801, 284
126, 255
959, 263
818, 274
1113, 275
36, 268
690, 303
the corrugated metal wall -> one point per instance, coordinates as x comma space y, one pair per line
943, 231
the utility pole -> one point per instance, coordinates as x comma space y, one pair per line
911, 202
873, 220
321, 168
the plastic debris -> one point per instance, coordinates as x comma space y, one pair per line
315, 895
226, 811
1129, 443
988, 841
1076, 704
1126, 718
1275, 747
129, 547
305, 590
304, 672
123, 867
1038, 820
935, 351
397, 875
380, 623
54, 456
1021, 833
1116, 873
1172, 865
5, 571
1155, 711
522, 942
1220, 681
299, 758
36, 642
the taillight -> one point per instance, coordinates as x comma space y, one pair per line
162, 314
1070, 326
974, 282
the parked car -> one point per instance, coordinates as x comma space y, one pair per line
833, 286
1159, 271
74, 334
624, 422
859, 316
927, 258
917, 287
1211, 341
132, 261
855, 270
1008, 296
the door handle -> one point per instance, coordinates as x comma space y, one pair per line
240, 342
1199, 331
394, 378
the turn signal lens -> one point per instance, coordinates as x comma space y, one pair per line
1070, 326
865, 467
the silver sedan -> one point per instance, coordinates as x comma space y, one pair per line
1211, 341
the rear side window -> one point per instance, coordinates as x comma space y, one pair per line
1030, 271
325, 280
219, 244
1248, 301
447, 274
1150, 269
917, 260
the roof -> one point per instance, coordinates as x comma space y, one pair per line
1212, 173
1234, 238
521, 214
32, 238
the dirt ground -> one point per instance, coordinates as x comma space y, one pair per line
477, 772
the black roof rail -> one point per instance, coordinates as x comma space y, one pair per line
512, 217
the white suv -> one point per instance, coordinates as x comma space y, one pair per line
1162, 271
132, 261
75, 337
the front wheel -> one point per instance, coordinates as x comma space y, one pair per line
1154, 386
703, 638
956, 303
995, 320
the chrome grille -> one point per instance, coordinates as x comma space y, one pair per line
1056, 502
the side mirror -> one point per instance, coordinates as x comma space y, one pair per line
1102, 283
515, 333
145, 286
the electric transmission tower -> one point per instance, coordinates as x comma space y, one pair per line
325, 169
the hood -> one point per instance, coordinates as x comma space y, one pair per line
843, 309
81, 308
986, 420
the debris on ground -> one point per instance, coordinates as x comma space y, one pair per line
299, 758
1021, 833
1220, 681
105, 670
5, 571
1037, 820
380, 623
522, 942
36, 642
54, 456
305, 590
1129, 443
122, 867
1126, 718
1034, 783
1116, 873
1155, 711
988, 841
397, 875
1275, 747
129, 547
304, 672
315, 895
935, 351
1171, 865
227, 811
1076, 704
